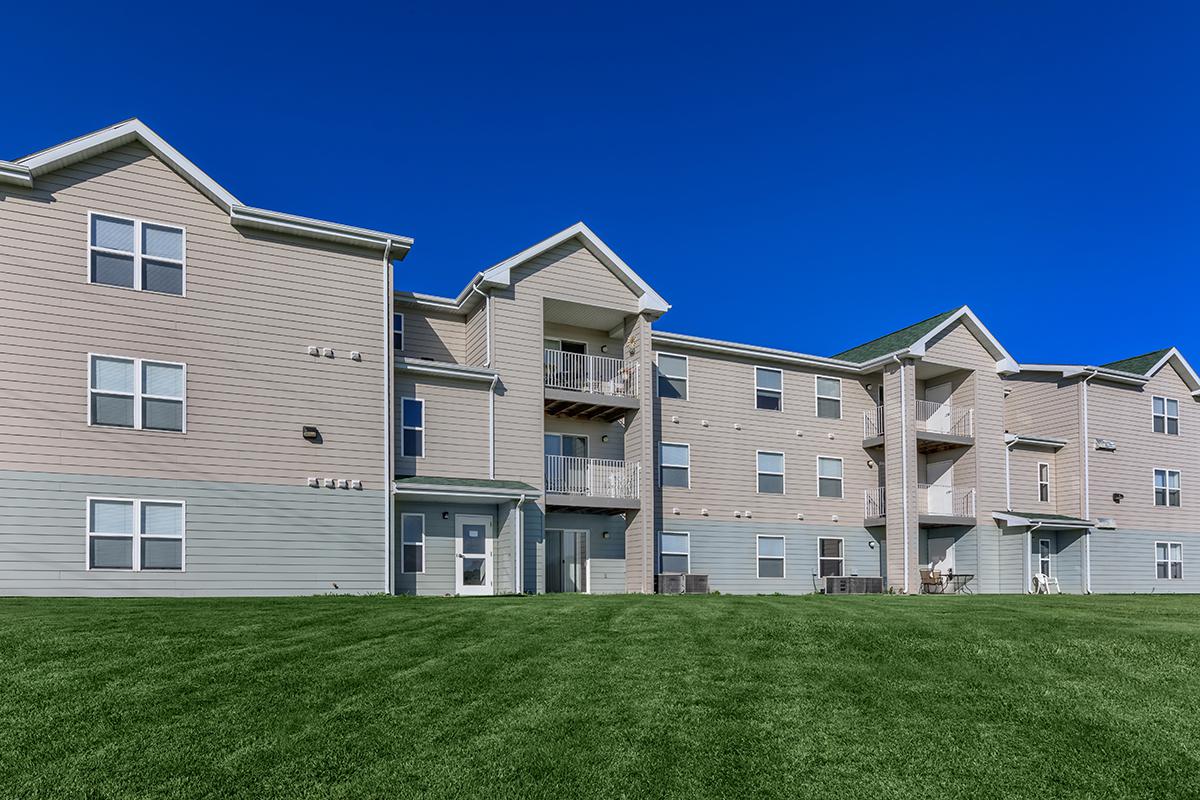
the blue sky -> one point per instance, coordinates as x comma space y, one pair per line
1036, 161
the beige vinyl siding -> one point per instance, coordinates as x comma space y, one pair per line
613, 449
594, 339
433, 335
1042, 404
1023, 464
456, 427
254, 304
900, 436
1122, 413
724, 458
475, 336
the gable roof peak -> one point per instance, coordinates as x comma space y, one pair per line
1139, 365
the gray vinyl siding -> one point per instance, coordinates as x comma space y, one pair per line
727, 553
255, 302
241, 539
532, 573
1011, 561
1123, 562
1123, 414
433, 335
441, 560
607, 556
456, 426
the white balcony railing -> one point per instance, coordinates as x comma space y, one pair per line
875, 503
945, 418
873, 422
597, 374
592, 477
945, 501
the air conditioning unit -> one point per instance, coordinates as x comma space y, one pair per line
853, 584
695, 584
669, 584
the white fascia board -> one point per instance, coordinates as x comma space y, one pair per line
319, 229
500, 275
752, 351
1005, 363
1181, 363
1081, 370
15, 174
447, 369
1038, 441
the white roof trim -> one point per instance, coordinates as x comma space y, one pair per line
481, 492
1080, 370
648, 299
752, 351
1016, 520
1005, 363
134, 130
1037, 441
1189, 374
447, 369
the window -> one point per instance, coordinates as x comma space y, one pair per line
829, 398
672, 376
397, 332
771, 557
675, 552
829, 557
412, 542
1166, 487
1044, 557
135, 254
1166, 416
1043, 482
132, 393
1168, 560
770, 473
675, 468
136, 535
829, 477
768, 389
412, 428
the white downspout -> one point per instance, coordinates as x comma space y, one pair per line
1029, 556
904, 462
1008, 475
389, 446
1087, 488
519, 547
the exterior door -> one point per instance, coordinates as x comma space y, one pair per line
940, 477
566, 561
566, 463
473, 546
939, 418
1045, 550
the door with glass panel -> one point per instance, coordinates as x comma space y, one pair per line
473, 548
566, 463
566, 561
938, 409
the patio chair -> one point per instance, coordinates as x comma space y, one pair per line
931, 581
1045, 584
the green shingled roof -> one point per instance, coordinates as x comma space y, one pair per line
462, 483
898, 340
1138, 365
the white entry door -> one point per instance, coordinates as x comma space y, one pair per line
473, 548
940, 477
939, 418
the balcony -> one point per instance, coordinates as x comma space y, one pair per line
873, 427
592, 484
874, 506
941, 504
943, 426
590, 387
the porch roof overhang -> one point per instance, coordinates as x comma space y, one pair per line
470, 490
1035, 441
1049, 521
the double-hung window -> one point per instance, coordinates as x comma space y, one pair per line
135, 393
136, 535
770, 473
771, 557
672, 376
675, 552
675, 465
1166, 416
829, 477
829, 398
412, 547
1168, 560
1043, 482
412, 427
1166, 487
768, 389
830, 560
397, 332
135, 255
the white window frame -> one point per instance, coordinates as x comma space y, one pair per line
396, 315
558, 435
422, 428
404, 570
841, 559
841, 480
662, 552
758, 388
1043, 484
760, 557
138, 395
1169, 560
1166, 416
818, 397
137, 252
758, 472
687, 376
136, 535
1167, 487
1046, 562
687, 447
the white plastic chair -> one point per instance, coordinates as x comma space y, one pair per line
1045, 584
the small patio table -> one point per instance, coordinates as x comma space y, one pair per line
957, 582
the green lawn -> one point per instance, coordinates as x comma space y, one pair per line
565, 698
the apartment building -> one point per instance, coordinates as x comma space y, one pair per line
208, 398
